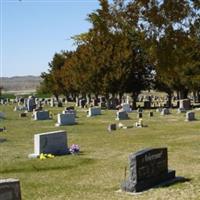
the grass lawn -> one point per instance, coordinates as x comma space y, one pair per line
99, 170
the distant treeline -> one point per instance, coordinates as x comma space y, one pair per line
132, 46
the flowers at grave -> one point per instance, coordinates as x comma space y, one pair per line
44, 156
74, 149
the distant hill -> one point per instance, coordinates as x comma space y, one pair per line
20, 83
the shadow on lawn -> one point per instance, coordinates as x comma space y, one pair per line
178, 179
44, 166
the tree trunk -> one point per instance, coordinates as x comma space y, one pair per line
169, 100
178, 96
184, 93
195, 96
120, 97
134, 97
107, 101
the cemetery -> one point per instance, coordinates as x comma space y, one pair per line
101, 154
101, 108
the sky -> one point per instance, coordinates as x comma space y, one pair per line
32, 31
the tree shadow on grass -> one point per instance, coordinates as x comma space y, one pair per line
39, 166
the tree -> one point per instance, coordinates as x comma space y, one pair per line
166, 25
52, 80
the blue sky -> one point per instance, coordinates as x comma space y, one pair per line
33, 30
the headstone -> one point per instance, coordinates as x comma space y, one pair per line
70, 108
10, 189
139, 124
128, 99
185, 103
159, 110
95, 102
23, 115
126, 107
20, 108
139, 115
50, 143
2, 115
31, 104
39, 104
167, 104
102, 105
65, 119
150, 114
165, 111
69, 111
139, 110
2, 129
93, 111
147, 168
147, 104
190, 116
41, 115
52, 103
181, 110
60, 104
122, 115
2, 139
77, 101
112, 127
82, 103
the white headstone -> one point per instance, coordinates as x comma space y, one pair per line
51, 143
126, 107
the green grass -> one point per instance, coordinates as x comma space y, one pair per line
99, 170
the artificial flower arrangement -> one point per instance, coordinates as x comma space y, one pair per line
44, 156
74, 149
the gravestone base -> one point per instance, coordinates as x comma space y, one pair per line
32, 156
129, 186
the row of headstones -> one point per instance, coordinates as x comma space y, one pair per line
123, 115
67, 117
31, 102
147, 168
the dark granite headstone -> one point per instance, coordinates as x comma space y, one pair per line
150, 114
122, 115
148, 168
23, 114
60, 104
70, 108
190, 116
112, 127
147, 104
185, 103
139, 115
10, 189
